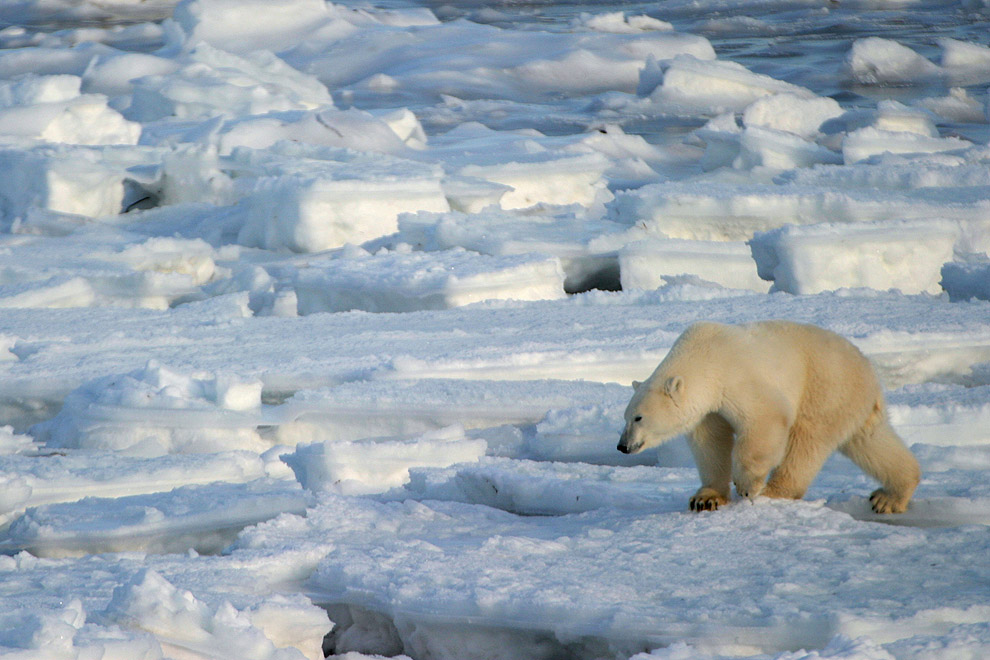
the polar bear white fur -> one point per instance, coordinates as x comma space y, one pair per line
770, 396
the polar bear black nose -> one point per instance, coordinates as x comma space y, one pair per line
623, 448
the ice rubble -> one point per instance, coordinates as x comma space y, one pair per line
643, 264
179, 412
205, 518
410, 281
826, 257
246, 174
120, 609
554, 582
30, 482
53, 109
884, 61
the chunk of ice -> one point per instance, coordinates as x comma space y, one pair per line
809, 259
402, 282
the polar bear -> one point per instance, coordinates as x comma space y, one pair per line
770, 398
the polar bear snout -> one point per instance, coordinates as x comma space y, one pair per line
627, 445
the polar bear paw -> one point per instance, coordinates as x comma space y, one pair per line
884, 502
707, 499
749, 488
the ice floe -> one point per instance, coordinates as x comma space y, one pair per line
319, 321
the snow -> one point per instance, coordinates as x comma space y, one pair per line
825, 257
319, 321
967, 279
646, 264
410, 281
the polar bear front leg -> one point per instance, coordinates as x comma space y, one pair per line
711, 445
758, 450
707, 499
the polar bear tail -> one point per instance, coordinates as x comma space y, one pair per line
879, 452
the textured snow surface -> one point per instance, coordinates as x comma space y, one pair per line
318, 322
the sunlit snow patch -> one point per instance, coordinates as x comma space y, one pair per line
408, 281
205, 518
155, 411
876, 61
449, 576
48, 477
308, 199
469, 60
814, 258
713, 86
214, 83
730, 211
643, 264
187, 627
62, 178
370, 466
52, 109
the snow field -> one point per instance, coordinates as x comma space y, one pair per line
815, 258
412, 281
155, 523
301, 346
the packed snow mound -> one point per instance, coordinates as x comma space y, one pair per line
826, 257
866, 142
213, 83
133, 611
728, 211
307, 203
66, 179
792, 113
648, 263
409, 281
319, 322
375, 466
876, 61
467, 60
51, 108
155, 411
690, 82
56, 478
246, 27
181, 623
204, 518
882, 61
559, 578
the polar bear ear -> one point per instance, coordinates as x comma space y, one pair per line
636, 384
673, 385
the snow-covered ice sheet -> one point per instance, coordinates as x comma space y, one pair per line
629, 579
416, 280
42, 477
318, 321
204, 518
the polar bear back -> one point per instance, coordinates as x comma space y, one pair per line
806, 370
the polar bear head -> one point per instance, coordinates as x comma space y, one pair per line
657, 412
684, 388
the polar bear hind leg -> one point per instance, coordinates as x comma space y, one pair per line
803, 460
880, 453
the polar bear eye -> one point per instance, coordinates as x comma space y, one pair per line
638, 418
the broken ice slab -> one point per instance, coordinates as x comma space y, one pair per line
205, 518
408, 281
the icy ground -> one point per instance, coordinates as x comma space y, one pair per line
318, 321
